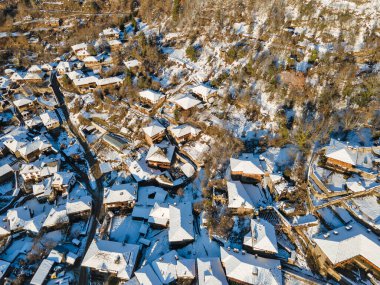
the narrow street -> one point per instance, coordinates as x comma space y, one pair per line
97, 195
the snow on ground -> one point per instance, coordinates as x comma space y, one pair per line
336, 182
279, 158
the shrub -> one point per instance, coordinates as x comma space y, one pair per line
313, 57
191, 53
176, 8
91, 50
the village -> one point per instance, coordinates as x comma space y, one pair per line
112, 172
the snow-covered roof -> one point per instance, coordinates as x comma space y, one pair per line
34, 225
78, 201
210, 272
147, 276
165, 267
56, 216
139, 171
64, 65
16, 76
3, 268
29, 168
34, 121
43, 189
161, 153
150, 195
22, 102
39, 143
111, 256
90, 58
5, 170
62, 178
245, 165
141, 212
109, 80
132, 63
238, 196
261, 237
79, 47
159, 215
153, 129
185, 101
151, 95
4, 82
249, 269
4, 227
188, 169
181, 222
49, 117
348, 242
110, 32
47, 67
42, 272
75, 74
341, 152
183, 130
354, 185
369, 207
15, 143
105, 167
120, 193
85, 80
71, 258
35, 68
33, 76
82, 53
114, 42
203, 91
186, 268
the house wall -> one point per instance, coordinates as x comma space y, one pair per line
156, 138
246, 177
31, 156
34, 176
179, 244
26, 107
120, 205
79, 216
86, 88
334, 162
52, 126
263, 253
183, 138
111, 85
159, 164
64, 188
39, 80
93, 64
242, 211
